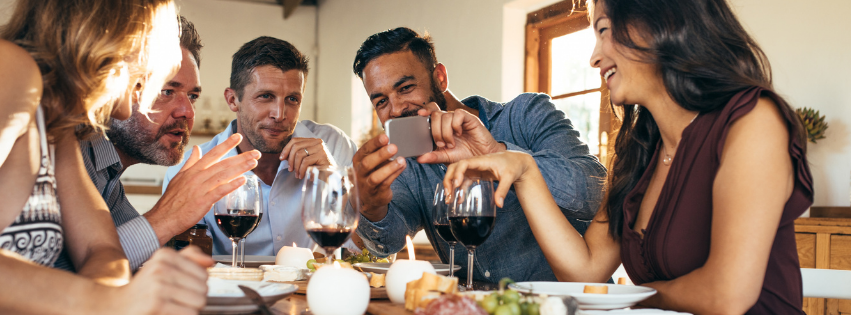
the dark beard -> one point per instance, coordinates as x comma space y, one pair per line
437, 96
128, 138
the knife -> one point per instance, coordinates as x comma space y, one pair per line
256, 299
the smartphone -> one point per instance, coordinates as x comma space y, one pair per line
411, 135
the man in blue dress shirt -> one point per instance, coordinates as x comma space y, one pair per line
402, 77
266, 92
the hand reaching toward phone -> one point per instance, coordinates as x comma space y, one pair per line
375, 172
303, 152
507, 167
458, 135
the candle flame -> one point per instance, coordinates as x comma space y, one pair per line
410, 248
294, 244
337, 264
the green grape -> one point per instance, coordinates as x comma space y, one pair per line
514, 307
524, 308
534, 309
490, 303
365, 251
503, 310
510, 296
310, 264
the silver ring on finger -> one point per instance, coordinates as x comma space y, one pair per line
306, 153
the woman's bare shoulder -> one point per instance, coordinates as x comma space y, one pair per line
20, 82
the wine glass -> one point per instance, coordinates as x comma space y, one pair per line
238, 213
472, 216
330, 206
440, 219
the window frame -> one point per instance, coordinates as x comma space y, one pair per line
542, 26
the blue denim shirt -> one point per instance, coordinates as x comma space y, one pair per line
530, 123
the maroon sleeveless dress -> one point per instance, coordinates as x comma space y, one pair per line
676, 240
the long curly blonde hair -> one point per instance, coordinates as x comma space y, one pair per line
95, 54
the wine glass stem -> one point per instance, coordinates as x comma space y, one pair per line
233, 258
242, 253
451, 259
470, 255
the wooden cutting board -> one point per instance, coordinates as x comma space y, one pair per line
385, 307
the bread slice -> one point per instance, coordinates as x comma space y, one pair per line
419, 292
596, 289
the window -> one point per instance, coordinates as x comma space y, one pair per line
559, 43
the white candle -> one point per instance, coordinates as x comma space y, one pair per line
333, 290
403, 271
293, 256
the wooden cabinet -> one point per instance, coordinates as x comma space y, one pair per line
824, 243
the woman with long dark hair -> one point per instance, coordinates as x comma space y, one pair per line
709, 170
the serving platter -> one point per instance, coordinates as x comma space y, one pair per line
441, 269
619, 296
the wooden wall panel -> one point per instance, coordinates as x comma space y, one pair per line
840, 252
806, 249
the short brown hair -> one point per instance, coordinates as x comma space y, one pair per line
190, 40
262, 51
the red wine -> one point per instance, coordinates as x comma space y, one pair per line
236, 225
445, 233
330, 237
471, 231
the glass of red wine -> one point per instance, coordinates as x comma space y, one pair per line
239, 212
330, 206
471, 217
440, 219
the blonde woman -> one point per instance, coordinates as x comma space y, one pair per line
66, 67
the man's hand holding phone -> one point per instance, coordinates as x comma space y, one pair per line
458, 135
375, 172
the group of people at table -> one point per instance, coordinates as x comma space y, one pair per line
708, 174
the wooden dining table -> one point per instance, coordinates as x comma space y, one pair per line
296, 304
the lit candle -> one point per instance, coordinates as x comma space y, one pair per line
293, 256
403, 271
333, 290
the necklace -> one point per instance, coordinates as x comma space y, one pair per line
670, 158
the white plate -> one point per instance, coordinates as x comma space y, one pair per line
252, 261
619, 296
441, 269
227, 293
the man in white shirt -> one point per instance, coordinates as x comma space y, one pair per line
266, 91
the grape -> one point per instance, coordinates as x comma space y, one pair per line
503, 310
510, 296
490, 303
515, 309
524, 308
310, 264
534, 309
